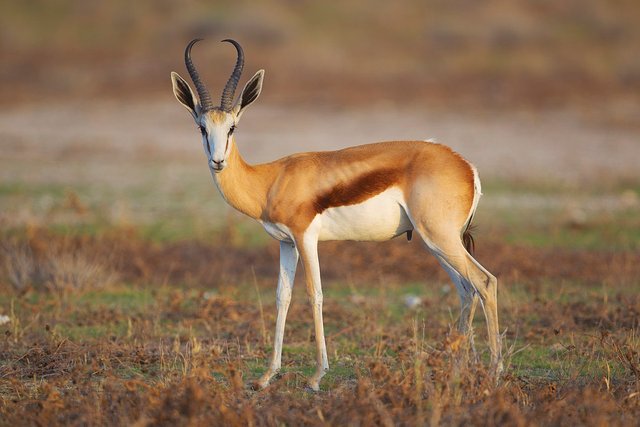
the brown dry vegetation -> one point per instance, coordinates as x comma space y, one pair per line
457, 53
188, 335
130, 296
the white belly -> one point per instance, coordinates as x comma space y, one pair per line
379, 218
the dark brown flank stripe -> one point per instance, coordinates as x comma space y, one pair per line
357, 191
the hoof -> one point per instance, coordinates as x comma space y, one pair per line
264, 380
498, 369
259, 385
314, 388
313, 383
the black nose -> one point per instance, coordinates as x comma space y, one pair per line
217, 162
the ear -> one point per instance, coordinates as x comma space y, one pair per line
184, 94
250, 92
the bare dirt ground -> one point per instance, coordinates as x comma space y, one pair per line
537, 146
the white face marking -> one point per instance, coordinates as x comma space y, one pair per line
216, 139
379, 218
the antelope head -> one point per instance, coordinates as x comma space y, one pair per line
216, 124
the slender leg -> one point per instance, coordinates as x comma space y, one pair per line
308, 247
288, 263
448, 247
467, 314
487, 287
468, 303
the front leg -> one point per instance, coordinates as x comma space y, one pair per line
308, 246
288, 263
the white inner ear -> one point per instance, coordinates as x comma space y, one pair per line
176, 81
257, 79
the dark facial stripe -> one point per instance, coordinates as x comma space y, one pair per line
206, 144
358, 190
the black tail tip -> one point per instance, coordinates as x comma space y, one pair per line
468, 240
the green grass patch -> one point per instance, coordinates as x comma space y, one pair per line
618, 236
83, 333
128, 299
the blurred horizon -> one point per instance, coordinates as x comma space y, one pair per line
457, 54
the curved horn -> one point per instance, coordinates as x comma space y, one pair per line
203, 94
232, 83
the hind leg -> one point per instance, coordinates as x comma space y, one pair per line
468, 303
467, 313
446, 244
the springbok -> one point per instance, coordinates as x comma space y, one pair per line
372, 192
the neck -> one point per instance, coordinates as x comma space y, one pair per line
244, 186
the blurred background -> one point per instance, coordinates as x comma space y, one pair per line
494, 54
543, 96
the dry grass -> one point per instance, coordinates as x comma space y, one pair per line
58, 265
180, 342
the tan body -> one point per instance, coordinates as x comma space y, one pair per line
369, 192
289, 192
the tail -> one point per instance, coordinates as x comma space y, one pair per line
468, 240
467, 237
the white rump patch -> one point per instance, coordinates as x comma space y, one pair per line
477, 192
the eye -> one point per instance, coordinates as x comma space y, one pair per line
231, 129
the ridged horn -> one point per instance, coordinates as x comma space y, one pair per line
203, 94
232, 83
